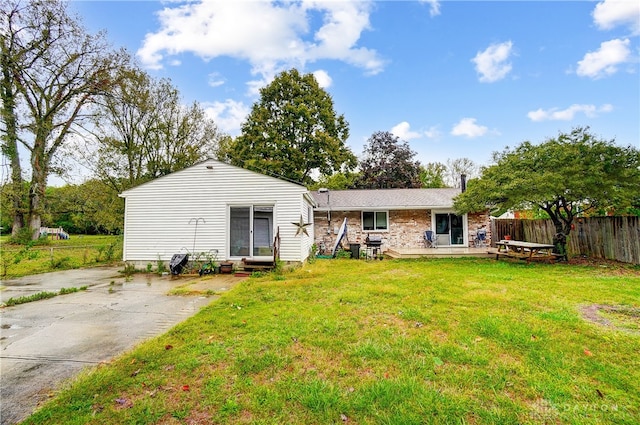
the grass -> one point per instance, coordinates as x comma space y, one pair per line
42, 296
51, 255
451, 341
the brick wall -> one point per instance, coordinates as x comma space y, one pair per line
406, 228
475, 222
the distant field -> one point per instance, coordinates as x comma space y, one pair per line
52, 254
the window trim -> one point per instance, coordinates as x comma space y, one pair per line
252, 208
375, 229
465, 226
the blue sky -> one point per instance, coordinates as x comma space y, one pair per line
453, 78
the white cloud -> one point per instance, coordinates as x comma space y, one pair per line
555, 114
227, 115
403, 131
467, 127
609, 14
254, 86
215, 79
433, 133
435, 7
272, 36
603, 62
492, 63
323, 78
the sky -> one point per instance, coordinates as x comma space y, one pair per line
454, 79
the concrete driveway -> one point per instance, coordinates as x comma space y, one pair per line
44, 343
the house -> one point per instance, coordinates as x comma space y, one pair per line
399, 216
217, 207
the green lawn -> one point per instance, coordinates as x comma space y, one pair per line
52, 254
461, 341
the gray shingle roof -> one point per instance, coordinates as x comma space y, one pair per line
392, 199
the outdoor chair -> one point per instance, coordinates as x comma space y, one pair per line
481, 238
430, 239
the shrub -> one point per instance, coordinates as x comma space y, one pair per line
60, 263
27, 299
129, 269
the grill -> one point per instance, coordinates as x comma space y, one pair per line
373, 243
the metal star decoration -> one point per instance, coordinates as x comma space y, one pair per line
302, 226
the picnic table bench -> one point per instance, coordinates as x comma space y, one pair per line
525, 251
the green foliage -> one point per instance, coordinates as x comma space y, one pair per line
64, 291
336, 181
30, 298
144, 131
388, 163
566, 176
160, 266
292, 131
42, 296
107, 252
60, 263
433, 175
129, 269
312, 253
53, 70
278, 268
72, 253
89, 208
23, 237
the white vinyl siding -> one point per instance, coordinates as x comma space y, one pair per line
160, 215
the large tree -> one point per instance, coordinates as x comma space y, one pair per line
458, 167
336, 181
11, 53
88, 208
388, 163
433, 175
566, 176
292, 132
142, 131
53, 69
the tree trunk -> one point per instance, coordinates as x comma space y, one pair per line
560, 238
39, 165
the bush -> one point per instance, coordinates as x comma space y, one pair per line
161, 267
60, 263
24, 238
129, 269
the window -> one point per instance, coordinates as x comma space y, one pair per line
374, 220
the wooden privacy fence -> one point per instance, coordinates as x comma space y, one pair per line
611, 238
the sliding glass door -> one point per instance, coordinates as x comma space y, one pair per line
251, 231
449, 229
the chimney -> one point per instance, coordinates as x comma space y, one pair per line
463, 182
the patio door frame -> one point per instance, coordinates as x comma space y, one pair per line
465, 227
250, 254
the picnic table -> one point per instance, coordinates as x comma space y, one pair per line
525, 250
